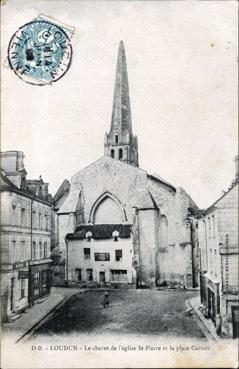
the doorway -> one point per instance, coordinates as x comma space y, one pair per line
235, 321
102, 278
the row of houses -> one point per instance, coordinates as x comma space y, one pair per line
26, 211
218, 245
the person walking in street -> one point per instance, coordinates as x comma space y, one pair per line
105, 299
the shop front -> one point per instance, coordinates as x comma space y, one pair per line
39, 281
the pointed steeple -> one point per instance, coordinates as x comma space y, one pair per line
120, 142
121, 114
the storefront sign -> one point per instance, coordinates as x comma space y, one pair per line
40, 267
23, 274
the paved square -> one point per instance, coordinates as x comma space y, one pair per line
130, 312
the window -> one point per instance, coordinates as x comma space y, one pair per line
34, 219
120, 153
23, 255
213, 226
119, 275
40, 191
88, 236
44, 281
118, 255
34, 250
46, 222
23, 217
112, 153
14, 251
14, 215
115, 235
40, 220
36, 283
45, 250
209, 224
22, 288
89, 274
78, 274
102, 256
116, 138
87, 253
40, 250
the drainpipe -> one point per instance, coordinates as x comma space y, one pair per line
190, 221
31, 225
66, 241
193, 246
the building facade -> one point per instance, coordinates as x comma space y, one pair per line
25, 236
114, 195
103, 260
218, 243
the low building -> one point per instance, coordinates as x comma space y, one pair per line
25, 236
100, 255
218, 243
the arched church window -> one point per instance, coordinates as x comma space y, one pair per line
116, 138
107, 211
120, 153
112, 153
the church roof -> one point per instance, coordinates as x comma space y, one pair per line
69, 205
100, 231
157, 178
64, 187
143, 199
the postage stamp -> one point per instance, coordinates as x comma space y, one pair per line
40, 52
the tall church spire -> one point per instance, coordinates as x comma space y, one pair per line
120, 143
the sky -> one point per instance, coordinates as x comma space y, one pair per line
182, 70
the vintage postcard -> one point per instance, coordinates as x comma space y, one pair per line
119, 184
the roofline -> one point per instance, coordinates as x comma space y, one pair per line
161, 181
23, 193
211, 206
60, 187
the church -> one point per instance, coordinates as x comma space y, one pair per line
115, 223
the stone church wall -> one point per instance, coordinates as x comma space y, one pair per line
110, 190
173, 256
147, 223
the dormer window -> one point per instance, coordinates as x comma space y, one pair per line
115, 235
116, 138
88, 236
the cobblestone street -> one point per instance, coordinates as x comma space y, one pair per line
130, 312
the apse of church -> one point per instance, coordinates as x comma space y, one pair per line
119, 224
